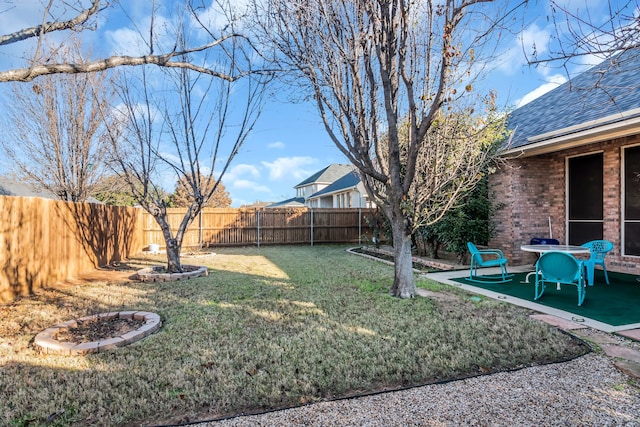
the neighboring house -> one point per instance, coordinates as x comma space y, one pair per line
346, 192
335, 186
574, 163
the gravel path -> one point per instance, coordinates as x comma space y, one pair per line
588, 391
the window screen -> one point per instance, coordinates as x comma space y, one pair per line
632, 201
585, 198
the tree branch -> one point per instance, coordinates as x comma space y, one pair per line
162, 60
48, 27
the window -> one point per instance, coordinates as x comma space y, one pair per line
631, 201
585, 198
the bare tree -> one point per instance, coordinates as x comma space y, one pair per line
186, 124
376, 66
84, 15
54, 133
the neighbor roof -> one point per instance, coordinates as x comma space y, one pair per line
600, 103
289, 203
327, 175
346, 182
11, 187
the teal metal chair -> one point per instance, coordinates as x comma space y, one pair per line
481, 258
599, 250
560, 268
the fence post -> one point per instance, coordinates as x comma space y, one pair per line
311, 226
258, 210
359, 226
200, 242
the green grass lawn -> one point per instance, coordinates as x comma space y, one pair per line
268, 328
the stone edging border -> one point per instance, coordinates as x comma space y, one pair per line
434, 264
151, 274
46, 341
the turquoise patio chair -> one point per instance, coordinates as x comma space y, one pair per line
599, 250
487, 258
560, 268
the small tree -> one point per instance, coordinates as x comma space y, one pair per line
186, 129
183, 198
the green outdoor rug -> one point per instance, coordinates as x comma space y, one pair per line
615, 304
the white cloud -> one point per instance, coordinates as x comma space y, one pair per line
246, 184
241, 171
553, 83
276, 145
132, 39
289, 167
245, 177
169, 157
217, 17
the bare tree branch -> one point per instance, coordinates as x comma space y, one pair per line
49, 27
579, 34
163, 60
170, 58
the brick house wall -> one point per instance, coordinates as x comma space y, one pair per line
533, 188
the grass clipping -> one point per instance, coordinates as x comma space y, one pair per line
268, 328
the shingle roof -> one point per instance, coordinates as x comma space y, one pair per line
327, 175
293, 202
607, 89
11, 187
349, 180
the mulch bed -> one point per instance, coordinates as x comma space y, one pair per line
98, 329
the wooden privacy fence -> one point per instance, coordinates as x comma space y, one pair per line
43, 241
266, 226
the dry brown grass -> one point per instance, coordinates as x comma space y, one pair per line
267, 328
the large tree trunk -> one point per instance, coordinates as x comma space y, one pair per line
404, 285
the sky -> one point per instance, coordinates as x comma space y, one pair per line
289, 141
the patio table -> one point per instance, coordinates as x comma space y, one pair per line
571, 249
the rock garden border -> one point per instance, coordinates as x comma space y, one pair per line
46, 341
157, 274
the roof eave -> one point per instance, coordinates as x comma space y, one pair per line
331, 193
577, 136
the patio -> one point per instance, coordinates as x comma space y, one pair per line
609, 308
